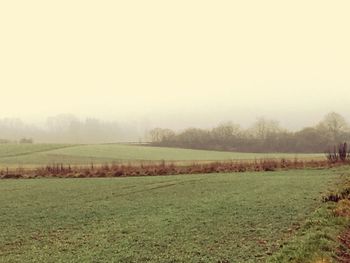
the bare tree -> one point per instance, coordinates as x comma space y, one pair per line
225, 131
340, 153
333, 125
158, 135
263, 127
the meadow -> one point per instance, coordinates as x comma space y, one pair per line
245, 217
44, 154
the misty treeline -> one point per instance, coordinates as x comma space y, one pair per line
263, 136
67, 128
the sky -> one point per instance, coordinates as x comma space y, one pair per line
175, 63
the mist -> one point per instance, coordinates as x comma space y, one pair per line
69, 128
139, 65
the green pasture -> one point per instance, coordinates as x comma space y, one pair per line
244, 217
42, 154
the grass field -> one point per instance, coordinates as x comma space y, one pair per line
186, 218
41, 154
16, 150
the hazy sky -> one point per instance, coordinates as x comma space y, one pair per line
177, 62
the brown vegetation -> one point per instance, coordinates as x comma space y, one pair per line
163, 168
340, 153
343, 255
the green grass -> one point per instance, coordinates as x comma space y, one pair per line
188, 218
15, 150
318, 239
42, 154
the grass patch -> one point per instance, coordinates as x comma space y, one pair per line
16, 150
325, 235
197, 218
43, 154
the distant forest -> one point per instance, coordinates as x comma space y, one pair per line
67, 128
263, 136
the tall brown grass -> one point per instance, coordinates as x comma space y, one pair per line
163, 168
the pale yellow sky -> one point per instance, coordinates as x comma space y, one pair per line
214, 60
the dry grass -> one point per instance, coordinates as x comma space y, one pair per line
163, 168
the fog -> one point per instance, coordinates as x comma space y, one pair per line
176, 64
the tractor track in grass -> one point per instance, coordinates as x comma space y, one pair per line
148, 190
158, 187
168, 184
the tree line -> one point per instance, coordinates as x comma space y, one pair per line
263, 136
67, 128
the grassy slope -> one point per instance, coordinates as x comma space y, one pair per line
319, 239
197, 218
84, 154
13, 150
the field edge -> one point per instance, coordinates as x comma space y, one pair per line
321, 238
